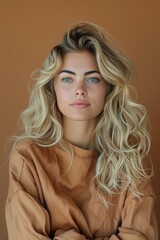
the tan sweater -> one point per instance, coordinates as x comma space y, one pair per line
50, 198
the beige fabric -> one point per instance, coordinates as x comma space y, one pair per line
49, 200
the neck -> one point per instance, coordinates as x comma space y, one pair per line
79, 133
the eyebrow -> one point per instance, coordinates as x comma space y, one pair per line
73, 73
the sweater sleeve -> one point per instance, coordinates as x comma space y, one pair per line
138, 216
26, 218
74, 235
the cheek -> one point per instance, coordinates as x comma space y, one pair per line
61, 97
57, 95
101, 98
102, 93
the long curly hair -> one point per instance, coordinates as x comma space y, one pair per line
120, 136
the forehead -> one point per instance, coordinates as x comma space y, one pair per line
79, 60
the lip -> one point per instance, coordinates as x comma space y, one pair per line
80, 104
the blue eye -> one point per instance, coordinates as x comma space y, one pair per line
93, 80
67, 79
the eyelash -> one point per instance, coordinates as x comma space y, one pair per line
91, 79
67, 79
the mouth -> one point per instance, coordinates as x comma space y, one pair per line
80, 105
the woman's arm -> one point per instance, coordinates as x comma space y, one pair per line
26, 216
138, 216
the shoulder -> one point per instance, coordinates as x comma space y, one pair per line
30, 147
23, 146
144, 189
28, 152
17, 155
21, 150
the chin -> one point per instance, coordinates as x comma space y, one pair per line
82, 118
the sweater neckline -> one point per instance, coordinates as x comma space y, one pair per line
81, 152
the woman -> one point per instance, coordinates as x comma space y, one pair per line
78, 172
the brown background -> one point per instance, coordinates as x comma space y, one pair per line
30, 28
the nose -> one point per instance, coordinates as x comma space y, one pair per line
80, 92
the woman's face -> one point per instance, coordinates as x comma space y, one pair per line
79, 87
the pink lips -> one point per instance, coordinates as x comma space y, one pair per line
80, 105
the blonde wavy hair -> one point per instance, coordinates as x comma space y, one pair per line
120, 136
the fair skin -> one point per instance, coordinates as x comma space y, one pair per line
80, 92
